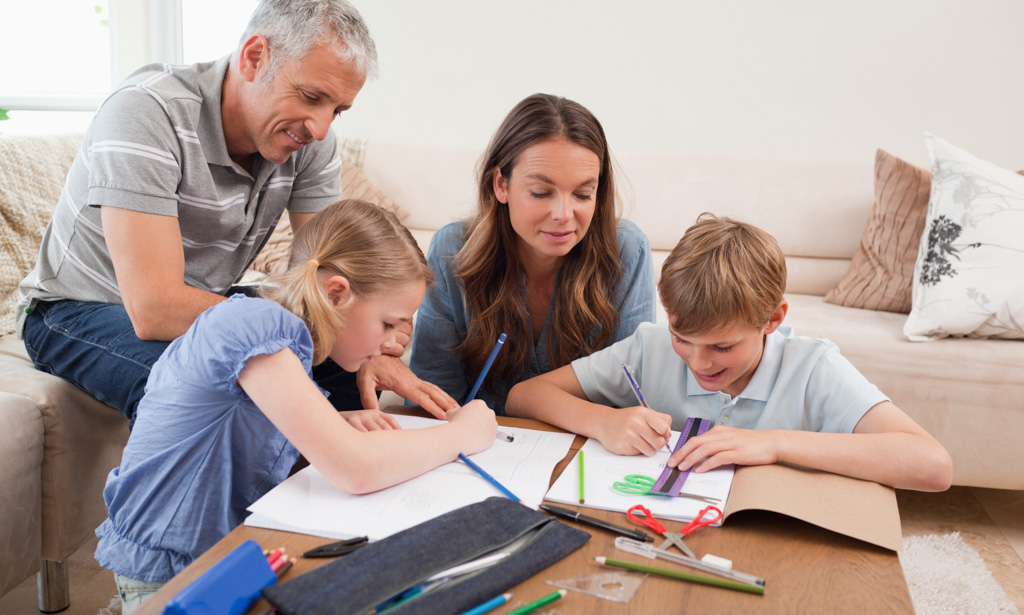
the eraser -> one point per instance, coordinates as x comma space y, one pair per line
717, 562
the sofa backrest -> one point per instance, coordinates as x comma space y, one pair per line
816, 210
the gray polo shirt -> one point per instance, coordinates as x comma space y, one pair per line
156, 145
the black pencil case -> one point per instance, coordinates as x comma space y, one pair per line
369, 577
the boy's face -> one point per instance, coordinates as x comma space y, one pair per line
726, 358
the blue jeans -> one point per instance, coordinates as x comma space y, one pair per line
94, 346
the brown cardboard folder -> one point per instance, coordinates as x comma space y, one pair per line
860, 509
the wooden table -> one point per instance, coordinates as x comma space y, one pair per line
807, 569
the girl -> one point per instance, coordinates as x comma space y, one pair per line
230, 405
545, 260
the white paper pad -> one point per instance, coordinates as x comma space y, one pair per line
308, 504
603, 468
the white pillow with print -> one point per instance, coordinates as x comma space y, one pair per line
969, 273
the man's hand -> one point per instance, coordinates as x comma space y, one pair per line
402, 336
386, 373
370, 420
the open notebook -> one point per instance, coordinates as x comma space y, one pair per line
308, 504
601, 469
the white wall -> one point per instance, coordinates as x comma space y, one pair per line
781, 78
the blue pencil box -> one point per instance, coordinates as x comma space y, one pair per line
230, 587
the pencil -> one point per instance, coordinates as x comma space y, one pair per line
685, 576
533, 606
487, 367
490, 605
488, 477
639, 394
283, 569
581, 476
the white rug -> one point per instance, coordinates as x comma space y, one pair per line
947, 576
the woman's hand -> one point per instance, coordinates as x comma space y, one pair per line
724, 445
370, 420
479, 423
633, 431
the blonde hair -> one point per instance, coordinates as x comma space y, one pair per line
355, 239
583, 317
721, 272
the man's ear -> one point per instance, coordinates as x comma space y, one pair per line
254, 56
777, 317
338, 290
500, 187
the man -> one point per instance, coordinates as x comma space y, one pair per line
182, 175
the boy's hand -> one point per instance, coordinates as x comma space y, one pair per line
370, 420
480, 424
634, 431
724, 445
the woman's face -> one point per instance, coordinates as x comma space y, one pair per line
551, 197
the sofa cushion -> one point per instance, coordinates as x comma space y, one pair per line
879, 276
967, 279
82, 441
273, 258
965, 392
21, 440
32, 172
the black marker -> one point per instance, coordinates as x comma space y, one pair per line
566, 513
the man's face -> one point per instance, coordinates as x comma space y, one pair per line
299, 103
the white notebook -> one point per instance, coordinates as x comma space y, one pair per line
601, 469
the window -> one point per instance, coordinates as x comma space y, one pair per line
211, 29
52, 77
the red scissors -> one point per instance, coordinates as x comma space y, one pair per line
707, 516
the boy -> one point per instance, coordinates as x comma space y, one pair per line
773, 397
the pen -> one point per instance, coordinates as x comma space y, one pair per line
507, 437
653, 552
488, 477
533, 606
566, 513
639, 394
490, 605
487, 367
685, 576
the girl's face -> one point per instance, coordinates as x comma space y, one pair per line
371, 321
551, 197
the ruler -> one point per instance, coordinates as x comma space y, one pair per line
671, 480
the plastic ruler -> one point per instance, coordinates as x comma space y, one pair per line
671, 480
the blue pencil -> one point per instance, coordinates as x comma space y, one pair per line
490, 605
483, 372
488, 477
638, 393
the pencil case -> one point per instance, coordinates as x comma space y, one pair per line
368, 578
228, 588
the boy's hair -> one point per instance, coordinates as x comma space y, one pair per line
722, 272
355, 239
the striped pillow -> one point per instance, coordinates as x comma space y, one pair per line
882, 269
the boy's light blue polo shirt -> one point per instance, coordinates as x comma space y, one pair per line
801, 383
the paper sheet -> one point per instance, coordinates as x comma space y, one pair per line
601, 469
308, 504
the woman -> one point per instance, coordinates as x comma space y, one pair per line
545, 260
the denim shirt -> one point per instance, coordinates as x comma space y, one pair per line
442, 322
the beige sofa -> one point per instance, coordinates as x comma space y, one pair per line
60, 443
966, 392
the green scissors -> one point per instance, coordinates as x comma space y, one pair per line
641, 484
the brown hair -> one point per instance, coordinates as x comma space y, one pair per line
721, 272
583, 317
355, 239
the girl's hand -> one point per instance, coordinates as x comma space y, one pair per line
370, 420
634, 431
724, 445
478, 422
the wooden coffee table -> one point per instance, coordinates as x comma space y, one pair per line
807, 569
